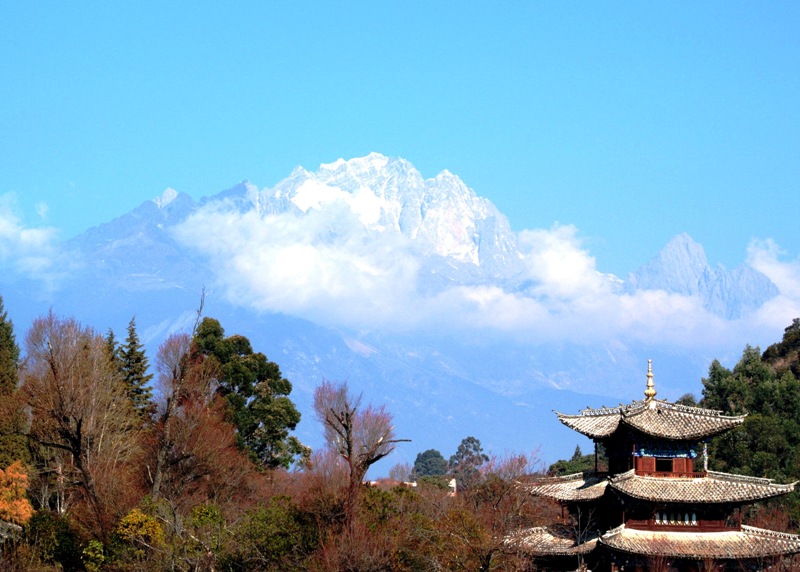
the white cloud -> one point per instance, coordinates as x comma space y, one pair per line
320, 265
30, 251
325, 265
42, 210
776, 314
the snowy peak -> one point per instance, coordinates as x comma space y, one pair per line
681, 267
441, 215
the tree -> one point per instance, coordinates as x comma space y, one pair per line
466, 462
429, 463
576, 464
14, 505
194, 457
362, 437
13, 443
257, 395
481, 519
134, 366
81, 415
785, 355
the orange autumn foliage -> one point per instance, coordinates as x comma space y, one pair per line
14, 506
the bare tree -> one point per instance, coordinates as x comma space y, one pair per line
172, 365
81, 413
362, 437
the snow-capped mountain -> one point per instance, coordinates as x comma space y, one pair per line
414, 290
682, 267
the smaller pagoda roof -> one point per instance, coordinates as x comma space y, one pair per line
749, 542
713, 488
570, 488
652, 417
549, 541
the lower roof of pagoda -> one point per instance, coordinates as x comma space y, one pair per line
652, 417
712, 488
749, 542
570, 488
547, 541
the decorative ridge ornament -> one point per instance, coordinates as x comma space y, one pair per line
650, 392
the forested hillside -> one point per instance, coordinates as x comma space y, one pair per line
766, 388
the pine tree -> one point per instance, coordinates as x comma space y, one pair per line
13, 442
134, 370
113, 349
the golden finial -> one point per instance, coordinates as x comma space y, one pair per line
650, 392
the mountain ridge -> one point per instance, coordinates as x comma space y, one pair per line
376, 237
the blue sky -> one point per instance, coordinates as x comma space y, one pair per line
632, 121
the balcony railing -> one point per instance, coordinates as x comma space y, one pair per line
672, 474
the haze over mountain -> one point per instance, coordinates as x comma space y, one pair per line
416, 291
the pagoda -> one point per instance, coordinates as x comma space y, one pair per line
657, 507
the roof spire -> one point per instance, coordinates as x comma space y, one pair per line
650, 392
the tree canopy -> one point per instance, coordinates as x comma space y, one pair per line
430, 463
257, 395
13, 443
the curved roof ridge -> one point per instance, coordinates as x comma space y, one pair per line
563, 478
734, 478
614, 531
623, 476
591, 412
770, 533
693, 410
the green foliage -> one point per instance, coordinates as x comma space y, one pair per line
13, 443
53, 541
276, 536
257, 395
93, 556
466, 462
785, 355
429, 463
9, 354
767, 443
576, 464
134, 366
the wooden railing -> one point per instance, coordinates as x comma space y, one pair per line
702, 525
672, 474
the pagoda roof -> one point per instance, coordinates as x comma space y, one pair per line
713, 488
652, 417
549, 541
570, 488
749, 542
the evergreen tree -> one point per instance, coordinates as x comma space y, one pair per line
134, 370
13, 443
429, 463
113, 349
467, 460
257, 396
